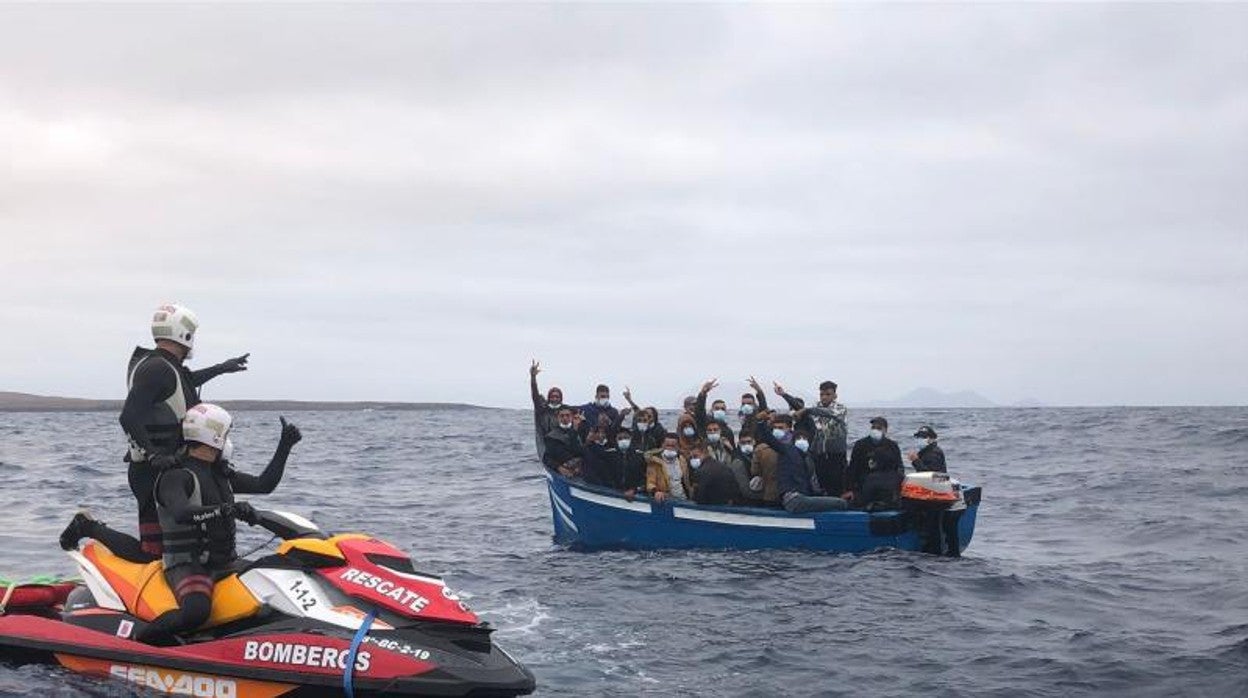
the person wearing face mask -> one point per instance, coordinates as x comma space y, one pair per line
602, 465
718, 414
667, 472
752, 404
564, 445
740, 462
632, 464
713, 483
875, 470
717, 446
927, 456
687, 434
826, 424
600, 407
764, 470
648, 432
544, 409
793, 476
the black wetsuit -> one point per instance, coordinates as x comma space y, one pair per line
195, 503
161, 389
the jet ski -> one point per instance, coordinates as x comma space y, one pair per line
320, 615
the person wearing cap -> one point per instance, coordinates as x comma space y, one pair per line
927, 456
875, 470
545, 409
825, 422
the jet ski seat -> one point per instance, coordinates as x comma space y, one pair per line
146, 594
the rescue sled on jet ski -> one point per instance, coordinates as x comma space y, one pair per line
590, 517
322, 615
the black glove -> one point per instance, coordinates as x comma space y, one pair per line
162, 461
290, 434
234, 365
243, 511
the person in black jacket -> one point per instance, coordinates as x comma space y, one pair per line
713, 482
793, 476
564, 445
875, 470
928, 456
633, 464
160, 389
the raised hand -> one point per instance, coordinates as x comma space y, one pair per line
535, 369
628, 394
236, 364
779, 388
710, 385
754, 384
290, 434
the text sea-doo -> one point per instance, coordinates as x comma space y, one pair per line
320, 616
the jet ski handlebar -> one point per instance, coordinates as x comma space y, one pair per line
287, 526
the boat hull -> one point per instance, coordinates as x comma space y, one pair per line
591, 518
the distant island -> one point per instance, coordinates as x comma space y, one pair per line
24, 402
931, 398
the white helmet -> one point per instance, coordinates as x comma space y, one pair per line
175, 323
207, 424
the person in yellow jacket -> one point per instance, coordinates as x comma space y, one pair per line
667, 472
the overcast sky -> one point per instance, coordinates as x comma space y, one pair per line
409, 202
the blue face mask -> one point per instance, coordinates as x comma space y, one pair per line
719, 415
747, 409
778, 434
876, 434
688, 431
802, 445
695, 463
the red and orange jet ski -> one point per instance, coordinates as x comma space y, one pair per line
321, 615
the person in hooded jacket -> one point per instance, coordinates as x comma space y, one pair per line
632, 463
687, 435
875, 470
545, 409
160, 388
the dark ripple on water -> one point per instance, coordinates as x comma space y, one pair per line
1108, 558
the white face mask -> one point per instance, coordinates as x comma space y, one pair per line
553, 404
669, 453
713, 437
688, 431
565, 425
920, 443
747, 449
876, 434
720, 415
604, 402
695, 463
643, 425
778, 433
747, 409
624, 444
802, 445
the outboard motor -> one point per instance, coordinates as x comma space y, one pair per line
936, 502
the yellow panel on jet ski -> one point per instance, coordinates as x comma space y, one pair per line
141, 587
328, 548
231, 601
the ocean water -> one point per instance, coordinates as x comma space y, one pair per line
1109, 557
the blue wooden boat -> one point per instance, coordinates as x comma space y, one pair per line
590, 518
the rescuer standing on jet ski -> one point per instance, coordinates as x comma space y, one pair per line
160, 390
196, 507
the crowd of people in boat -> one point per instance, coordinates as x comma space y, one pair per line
798, 459
180, 473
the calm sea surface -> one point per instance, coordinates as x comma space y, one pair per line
1109, 558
